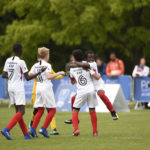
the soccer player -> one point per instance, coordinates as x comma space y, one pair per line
44, 92
14, 70
98, 84
53, 122
85, 93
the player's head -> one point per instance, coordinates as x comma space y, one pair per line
43, 53
89, 56
142, 61
99, 61
78, 54
112, 56
17, 49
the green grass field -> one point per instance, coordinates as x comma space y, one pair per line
130, 132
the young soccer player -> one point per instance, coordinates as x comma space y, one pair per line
14, 70
85, 93
44, 92
53, 122
98, 84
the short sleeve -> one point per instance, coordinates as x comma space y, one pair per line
5, 67
24, 67
49, 68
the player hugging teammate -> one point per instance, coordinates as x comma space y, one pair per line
85, 93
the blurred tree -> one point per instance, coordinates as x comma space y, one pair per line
61, 25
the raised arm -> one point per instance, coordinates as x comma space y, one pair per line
80, 64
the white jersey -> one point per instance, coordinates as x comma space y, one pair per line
83, 79
41, 79
98, 84
15, 67
44, 92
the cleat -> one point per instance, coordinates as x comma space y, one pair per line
43, 131
114, 115
6, 133
95, 133
68, 121
54, 132
27, 137
76, 133
33, 132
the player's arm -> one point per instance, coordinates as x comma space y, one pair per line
30, 76
95, 75
5, 71
4, 75
80, 64
50, 76
57, 77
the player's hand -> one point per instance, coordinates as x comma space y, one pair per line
148, 84
43, 69
62, 73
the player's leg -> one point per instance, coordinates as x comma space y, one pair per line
75, 120
53, 126
72, 102
33, 115
92, 103
21, 122
47, 121
36, 121
93, 121
79, 102
105, 99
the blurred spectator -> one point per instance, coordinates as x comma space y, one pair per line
141, 70
67, 67
101, 66
115, 67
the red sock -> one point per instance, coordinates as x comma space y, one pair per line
14, 120
94, 121
75, 120
23, 126
106, 101
38, 117
72, 102
49, 117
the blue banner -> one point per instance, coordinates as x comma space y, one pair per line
64, 90
141, 89
2, 87
28, 85
124, 81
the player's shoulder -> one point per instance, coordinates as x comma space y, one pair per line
93, 64
9, 59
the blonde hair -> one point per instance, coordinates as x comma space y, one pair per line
43, 52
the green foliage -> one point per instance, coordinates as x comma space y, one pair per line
104, 26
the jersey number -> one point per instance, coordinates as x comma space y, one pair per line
11, 71
39, 78
82, 80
